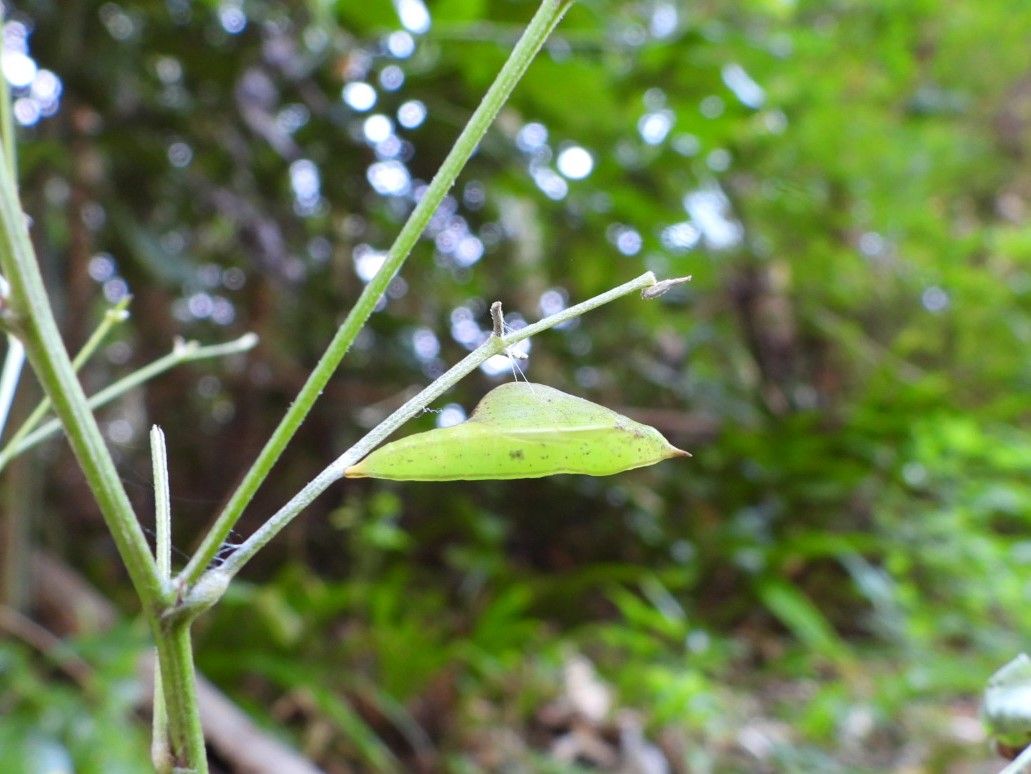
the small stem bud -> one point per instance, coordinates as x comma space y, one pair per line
498, 317
662, 287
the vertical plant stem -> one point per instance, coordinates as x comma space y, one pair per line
7, 122
160, 750
162, 505
544, 21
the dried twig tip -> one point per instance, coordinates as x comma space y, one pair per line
660, 288
499, 319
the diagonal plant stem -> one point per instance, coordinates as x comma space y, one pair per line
7, 138
112, 317
214, 582
182, 352
544, 21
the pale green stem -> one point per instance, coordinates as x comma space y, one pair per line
7, 123
182, 352
162, 504
214, 582
116, 315
544, 21
160, 754
9, 376
112, 317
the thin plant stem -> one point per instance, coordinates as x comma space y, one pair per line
182, 352
206, 594
112, 317
162, 504
14, 360
541, 25
179, 681
160, 754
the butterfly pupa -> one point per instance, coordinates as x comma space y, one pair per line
522, 430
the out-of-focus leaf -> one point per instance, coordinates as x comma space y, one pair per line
363, 18
458, 10
802, 617
34, 753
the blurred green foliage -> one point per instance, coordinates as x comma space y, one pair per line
844, 561
89, 727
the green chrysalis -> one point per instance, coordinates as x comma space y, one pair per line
522, 430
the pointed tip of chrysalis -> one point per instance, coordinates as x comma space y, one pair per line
675, 452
